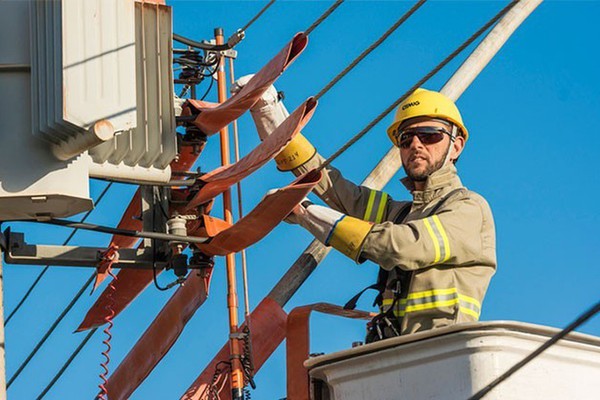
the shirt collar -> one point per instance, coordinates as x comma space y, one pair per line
436, 185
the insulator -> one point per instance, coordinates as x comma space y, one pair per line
176, 226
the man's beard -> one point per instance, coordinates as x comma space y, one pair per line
422, 176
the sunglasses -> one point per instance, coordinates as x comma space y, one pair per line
426, 134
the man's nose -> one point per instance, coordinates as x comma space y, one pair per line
415, 143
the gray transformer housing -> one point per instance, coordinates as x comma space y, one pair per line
76, 103
33, 182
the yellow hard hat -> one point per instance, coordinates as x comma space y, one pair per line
426, 103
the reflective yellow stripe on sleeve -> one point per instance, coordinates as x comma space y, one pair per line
370, 205
377, 201
439, 238
381, 209
436, 244
445, 240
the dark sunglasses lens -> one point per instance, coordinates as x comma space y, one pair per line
431, 138
406, 140
426, 135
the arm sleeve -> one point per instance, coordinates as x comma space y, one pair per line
452, 237
346, 197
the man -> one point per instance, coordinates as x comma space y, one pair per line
436, 253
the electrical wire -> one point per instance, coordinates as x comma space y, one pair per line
323, 17
66, 242
92, 277
552, 341
67, 363
51, 329
372, 47
335, 155
434, 71
200, 45
212, 80
257, 16
211, 389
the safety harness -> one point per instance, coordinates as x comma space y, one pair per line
385, 324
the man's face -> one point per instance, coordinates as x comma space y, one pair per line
421, 160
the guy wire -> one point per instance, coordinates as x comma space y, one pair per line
360, 134
549, 343
369, 49
261, 12
66, 242
323, 17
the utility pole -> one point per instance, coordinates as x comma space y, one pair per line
2, 345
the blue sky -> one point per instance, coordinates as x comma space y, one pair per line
533, 119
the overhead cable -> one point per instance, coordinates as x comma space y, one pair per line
323, 17
441, 65
372, 47
67, 363
257, 16
66, 242
552, 341
51, 329
231, 42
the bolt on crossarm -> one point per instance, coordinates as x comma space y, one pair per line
237, 378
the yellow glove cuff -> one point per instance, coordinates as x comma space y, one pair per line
348, 236
295, 154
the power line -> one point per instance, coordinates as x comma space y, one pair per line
88, 282
323, 17
257, 16
51, 329
360, 134
67, 363
66, 242
552, 341
372, 47
321, 93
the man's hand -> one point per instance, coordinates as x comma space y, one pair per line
318, 220
299, 212
268, 112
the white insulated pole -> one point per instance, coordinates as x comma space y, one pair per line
461, 79
391, 163
488, 48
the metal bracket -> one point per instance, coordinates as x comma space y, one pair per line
17, 251
229, 53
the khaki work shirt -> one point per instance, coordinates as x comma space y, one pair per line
445, 261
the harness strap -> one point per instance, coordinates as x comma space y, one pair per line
383, 275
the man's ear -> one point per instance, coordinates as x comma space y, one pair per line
457, 147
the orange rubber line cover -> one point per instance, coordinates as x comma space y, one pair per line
129, 220
262, 219
247, 231
268, 331
130, 282
159, 337
217, 181
212, 117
